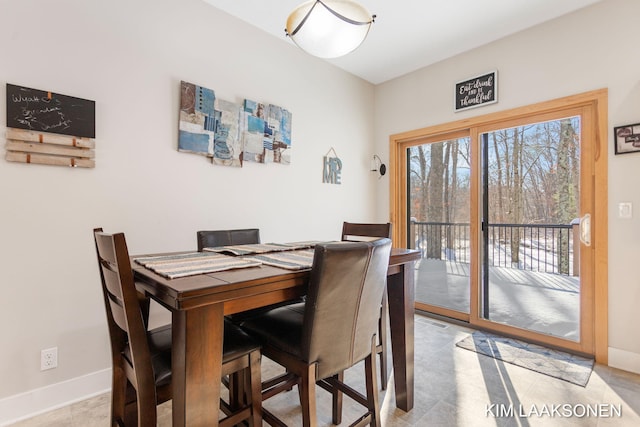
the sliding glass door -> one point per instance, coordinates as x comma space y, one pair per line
530, 227
439, 200
504, 211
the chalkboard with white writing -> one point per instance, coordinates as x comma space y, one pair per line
43, 111
481, 90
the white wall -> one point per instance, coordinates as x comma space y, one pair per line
130, 56
590, 49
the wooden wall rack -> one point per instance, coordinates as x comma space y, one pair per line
49, 149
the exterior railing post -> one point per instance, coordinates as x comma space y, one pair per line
412, 234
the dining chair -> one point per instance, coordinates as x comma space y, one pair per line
332, 331
141, 358
352, 231
244, 236
213, 238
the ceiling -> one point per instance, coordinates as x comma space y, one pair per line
411, 34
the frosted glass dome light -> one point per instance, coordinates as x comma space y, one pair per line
329, 28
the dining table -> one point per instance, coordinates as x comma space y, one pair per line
199, 302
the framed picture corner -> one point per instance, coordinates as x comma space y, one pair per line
626, 138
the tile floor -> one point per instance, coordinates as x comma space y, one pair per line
453, 387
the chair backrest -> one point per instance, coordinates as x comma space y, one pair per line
213, 238
125, 317
357, 232
343, 303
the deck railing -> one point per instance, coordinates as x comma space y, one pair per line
549, 248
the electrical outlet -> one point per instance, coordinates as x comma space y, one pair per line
625, 210
49, 358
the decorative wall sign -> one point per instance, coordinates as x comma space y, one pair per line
49, 129
42, 111
477, 91
332, 168
627, 138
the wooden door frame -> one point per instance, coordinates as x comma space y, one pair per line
595, 104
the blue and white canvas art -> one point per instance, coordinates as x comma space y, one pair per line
197, 122
231, 133
227, 144
209, 126
253, 132
279, 124
266, 131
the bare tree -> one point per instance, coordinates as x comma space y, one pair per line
499, 184
434, 208
533, 174
516, 194
566, 201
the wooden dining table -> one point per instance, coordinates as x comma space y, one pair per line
198, 304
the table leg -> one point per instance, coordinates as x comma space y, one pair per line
197, 365
401, 292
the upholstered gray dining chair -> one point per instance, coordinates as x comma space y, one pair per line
333, 330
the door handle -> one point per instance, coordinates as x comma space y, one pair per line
585, 229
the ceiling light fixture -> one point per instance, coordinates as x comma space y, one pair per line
329, 28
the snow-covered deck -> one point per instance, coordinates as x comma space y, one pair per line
542, 302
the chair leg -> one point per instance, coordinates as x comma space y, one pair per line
118, 397
382, 333
254, 384
372, 388
130, 407
307, 388
236, 390
147, 408
337, 396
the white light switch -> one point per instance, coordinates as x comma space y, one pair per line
625, 210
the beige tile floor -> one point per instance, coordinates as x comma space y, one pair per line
453, 387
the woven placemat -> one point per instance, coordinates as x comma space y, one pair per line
191, 264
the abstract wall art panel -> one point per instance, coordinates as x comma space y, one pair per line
279, 124
227, 144
273, 124
197, 119
230, 133
253, 148
253, 127
209, 126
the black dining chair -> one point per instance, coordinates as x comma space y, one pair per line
243, 236
213, 238
141, 358
333, 330
352, 231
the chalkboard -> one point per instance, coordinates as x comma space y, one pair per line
477, 91
42, 111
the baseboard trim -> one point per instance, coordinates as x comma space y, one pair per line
625, 360
34, 402
38, 401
